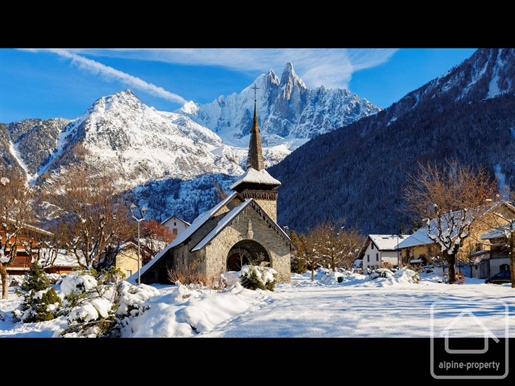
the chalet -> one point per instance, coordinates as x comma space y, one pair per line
417, 247
127, 259
27, 248
379, 251
242, 228
176, 224
475, 249
498, 258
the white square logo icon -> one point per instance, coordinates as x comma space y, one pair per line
465, 343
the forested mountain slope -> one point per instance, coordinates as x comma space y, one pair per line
358, 173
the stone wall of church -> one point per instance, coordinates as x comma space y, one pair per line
248, 226
267, 199
270, 207
217, 251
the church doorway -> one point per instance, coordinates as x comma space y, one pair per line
247, 252
162, 276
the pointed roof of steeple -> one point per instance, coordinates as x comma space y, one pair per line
255, 158
255, 177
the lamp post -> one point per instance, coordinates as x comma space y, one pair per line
142, 211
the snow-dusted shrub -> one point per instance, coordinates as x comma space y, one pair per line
101, 310
110, 275
54, 278
409, 275
187, 274
131, 299
380, 272
403, 274
86, 305
256, 276
229, 280
76, 286
331, 278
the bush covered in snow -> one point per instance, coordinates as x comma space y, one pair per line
257, 276
402, 275
98, 307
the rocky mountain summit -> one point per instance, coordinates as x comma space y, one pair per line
286, 108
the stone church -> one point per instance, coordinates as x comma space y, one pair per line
241, 229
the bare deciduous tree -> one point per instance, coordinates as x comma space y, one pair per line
17, 200
329, 245
306, 250
93, 214
336, 245
156, 237
449, 199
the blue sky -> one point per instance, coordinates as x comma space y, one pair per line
64, 83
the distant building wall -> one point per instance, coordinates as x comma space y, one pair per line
175, 224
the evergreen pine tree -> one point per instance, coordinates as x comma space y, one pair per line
41, 301
35, 279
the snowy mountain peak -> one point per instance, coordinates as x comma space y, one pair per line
288, 111
290, 80
189, 108
270, 78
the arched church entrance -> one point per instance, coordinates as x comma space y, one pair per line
246, 252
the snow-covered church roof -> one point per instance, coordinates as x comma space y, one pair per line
254, 176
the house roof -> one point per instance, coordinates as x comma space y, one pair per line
504, 231
496, 233
386, 242
177, 218
62, 259
30, 227
420, 237
65, 260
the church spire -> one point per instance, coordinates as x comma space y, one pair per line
255, 158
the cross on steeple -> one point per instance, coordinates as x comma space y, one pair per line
255, 88
255, 159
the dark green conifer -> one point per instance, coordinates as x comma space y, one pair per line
41, 301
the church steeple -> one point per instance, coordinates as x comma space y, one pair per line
255, 157
256, 183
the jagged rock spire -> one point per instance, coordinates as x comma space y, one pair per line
255, 158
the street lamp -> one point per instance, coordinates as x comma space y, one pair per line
142, 211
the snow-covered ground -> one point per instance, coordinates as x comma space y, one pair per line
333, 305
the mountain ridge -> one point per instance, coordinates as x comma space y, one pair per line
147, 147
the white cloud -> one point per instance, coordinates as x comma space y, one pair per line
330, 67
112, 74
